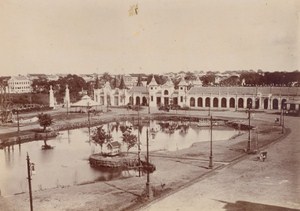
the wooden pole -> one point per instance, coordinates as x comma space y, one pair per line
249, 131
211, 155
139, 146
29, 182
148, 174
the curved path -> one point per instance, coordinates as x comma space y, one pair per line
248, 184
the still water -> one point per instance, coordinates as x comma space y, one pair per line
67, 164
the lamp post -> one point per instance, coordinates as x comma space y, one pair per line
148, 174
282, 128
249, 129
89, 122
18, 121
139, 142
211, 155
30, 170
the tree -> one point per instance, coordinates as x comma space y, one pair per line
40, 85
45, 120
100, 136
190, 76
139, 82
128, 138
106, 77
208, 79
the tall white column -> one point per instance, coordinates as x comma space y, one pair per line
67, 97
51, 97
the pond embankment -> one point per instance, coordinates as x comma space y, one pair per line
31, 135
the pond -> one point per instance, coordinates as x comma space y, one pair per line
67, 163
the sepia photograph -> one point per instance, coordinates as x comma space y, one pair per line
149, 105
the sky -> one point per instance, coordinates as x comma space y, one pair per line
96, 36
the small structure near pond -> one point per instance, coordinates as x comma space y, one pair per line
114, 148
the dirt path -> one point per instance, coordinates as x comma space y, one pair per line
247, 185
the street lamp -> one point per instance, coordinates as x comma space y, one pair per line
211, 155
148, 173
18, 121
89, 121
139, 142
30, 171
283, 110
249, 128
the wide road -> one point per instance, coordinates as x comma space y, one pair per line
248, 184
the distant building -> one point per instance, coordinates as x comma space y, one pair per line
52, 77
130, 80
19, 84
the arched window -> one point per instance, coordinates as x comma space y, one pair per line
192, 102
232, 103
275, 104
249, 103
166, 92
241, 103
266, 103
223, 102
207, 102
200, 103
137, 100
215, 102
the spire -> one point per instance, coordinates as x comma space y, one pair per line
152, 82
139, 82
182, 82
122, 84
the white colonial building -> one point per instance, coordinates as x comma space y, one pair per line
197, 97
19, 84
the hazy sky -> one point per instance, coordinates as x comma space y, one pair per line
86, 36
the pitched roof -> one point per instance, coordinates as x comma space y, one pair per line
168, 83
139, 89
152, 82
182, 82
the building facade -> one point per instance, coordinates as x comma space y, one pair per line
198, 97
19, 84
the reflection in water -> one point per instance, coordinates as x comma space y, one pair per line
67, 164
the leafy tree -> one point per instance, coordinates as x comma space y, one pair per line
76, 85
40, 85
128, 138
100, 136
106, 77
176, 81
114, 83
208, 79
190, 76
45, 120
